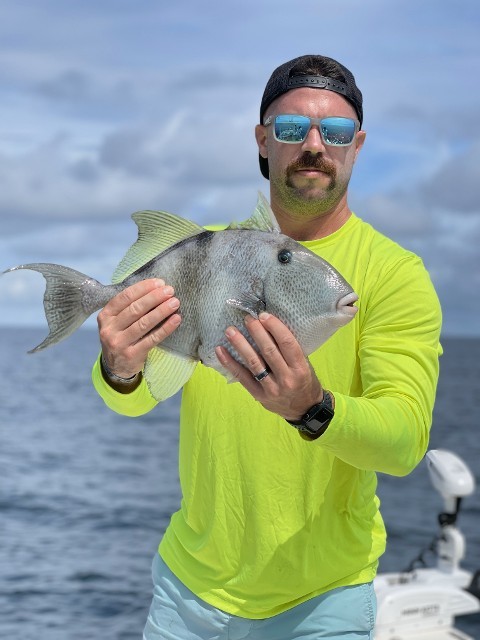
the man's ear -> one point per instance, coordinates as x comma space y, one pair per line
261, 137
359, 140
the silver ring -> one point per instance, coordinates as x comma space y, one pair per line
263, 374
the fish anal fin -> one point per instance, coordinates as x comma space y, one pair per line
166, 372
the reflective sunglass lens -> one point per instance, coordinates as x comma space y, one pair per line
338, 131
291, 128
335, 130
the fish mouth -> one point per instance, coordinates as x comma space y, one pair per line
346, 305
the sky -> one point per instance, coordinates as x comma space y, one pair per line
116, 106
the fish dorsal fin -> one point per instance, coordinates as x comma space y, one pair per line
157, 230
166, 372
262, 219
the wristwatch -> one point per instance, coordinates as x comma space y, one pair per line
316, 420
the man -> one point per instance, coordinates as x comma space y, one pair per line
279, 531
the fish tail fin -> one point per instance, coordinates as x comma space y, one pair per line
70, 298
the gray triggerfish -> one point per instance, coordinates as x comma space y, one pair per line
219, 277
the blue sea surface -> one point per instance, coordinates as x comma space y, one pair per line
86, 494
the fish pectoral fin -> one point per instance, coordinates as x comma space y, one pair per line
166, 372
248, 302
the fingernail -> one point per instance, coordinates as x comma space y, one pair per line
230, 332
168, 291
248, 319
159, 282
173, 303
176, 319
264, 315
219, 354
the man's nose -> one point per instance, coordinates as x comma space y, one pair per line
313, 143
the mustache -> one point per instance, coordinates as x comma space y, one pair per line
309, 161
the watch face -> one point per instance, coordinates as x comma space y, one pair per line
320, 420
317, 418
323, 415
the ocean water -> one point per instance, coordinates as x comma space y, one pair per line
85, 494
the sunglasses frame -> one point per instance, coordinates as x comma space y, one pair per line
313, 121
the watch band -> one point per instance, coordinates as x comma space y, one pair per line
315, 421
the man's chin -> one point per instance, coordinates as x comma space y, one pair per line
316, 182
309, 193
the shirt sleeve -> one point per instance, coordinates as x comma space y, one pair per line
133, 404
387, 428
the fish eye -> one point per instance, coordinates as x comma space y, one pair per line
284, 256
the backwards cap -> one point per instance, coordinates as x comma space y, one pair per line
304, 72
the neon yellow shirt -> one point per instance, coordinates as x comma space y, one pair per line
268, 519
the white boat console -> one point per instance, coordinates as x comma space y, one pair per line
422, 603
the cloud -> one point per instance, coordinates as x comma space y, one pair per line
455, 185
112, 107
438, 219
82, 93
167, 164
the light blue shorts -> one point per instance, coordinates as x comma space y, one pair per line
346, 613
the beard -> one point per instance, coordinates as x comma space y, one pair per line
309, 199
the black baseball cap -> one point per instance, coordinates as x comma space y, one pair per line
314, 71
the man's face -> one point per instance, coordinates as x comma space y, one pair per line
310, 172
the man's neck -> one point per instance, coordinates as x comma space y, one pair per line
301, 226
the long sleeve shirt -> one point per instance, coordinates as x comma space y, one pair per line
268, 519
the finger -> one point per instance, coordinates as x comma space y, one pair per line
126, 357
160, 332
151, 321
239, 372
141, 307
137, 320
287, 343
267, 345
253, 361
129, 295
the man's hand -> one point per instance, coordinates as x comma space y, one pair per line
129, 324
292, 387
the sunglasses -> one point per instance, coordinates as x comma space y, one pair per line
292, 129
